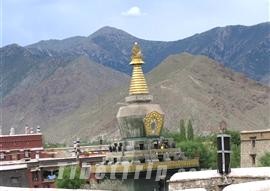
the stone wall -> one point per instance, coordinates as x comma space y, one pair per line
213, 184
254, 186
212, 181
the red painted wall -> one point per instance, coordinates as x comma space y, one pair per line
14, 147
9, 142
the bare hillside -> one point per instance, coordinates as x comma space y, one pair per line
187, 87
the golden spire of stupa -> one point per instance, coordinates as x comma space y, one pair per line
137, 84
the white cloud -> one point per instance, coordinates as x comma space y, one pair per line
133, 11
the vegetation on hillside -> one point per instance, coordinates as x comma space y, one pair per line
203, 147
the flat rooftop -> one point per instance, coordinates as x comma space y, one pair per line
256, 131
13, 167
22, 135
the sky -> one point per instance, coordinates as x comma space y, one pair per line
28, 21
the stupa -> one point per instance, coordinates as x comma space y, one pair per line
142, 148
140, 118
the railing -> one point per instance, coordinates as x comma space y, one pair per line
130, 168
142, 152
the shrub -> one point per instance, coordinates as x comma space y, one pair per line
69, 182
265, 159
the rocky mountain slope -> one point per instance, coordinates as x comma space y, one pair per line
244, 49
197, 88
67, 89
74, 87
186, 86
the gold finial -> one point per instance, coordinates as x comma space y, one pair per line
136, 57
137, 84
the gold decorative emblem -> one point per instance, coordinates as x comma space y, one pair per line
153, 123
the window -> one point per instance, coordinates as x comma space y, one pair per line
253, 141
2, 156
26, 154
49, 174
35, 176
253, 159
14, 156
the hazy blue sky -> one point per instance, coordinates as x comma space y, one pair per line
28, 21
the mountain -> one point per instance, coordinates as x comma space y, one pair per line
186, 87
74, 87
108, 46
20, 63
200, 89
67, 105
244, 49
67, 89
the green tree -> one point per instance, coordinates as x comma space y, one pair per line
205, 146
265, 159
190, 133
197, 149
235, 137
69, 182
235, 147
182, 130
235, 156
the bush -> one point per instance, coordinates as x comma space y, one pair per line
197, 149
235, 137
235, 156
69, 182
204, 146
265, 159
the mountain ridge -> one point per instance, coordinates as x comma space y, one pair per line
186, 87
109, 28
241, 48
81, 98
78, 84
109, 37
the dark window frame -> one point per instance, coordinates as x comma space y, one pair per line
253, 158
253, 141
